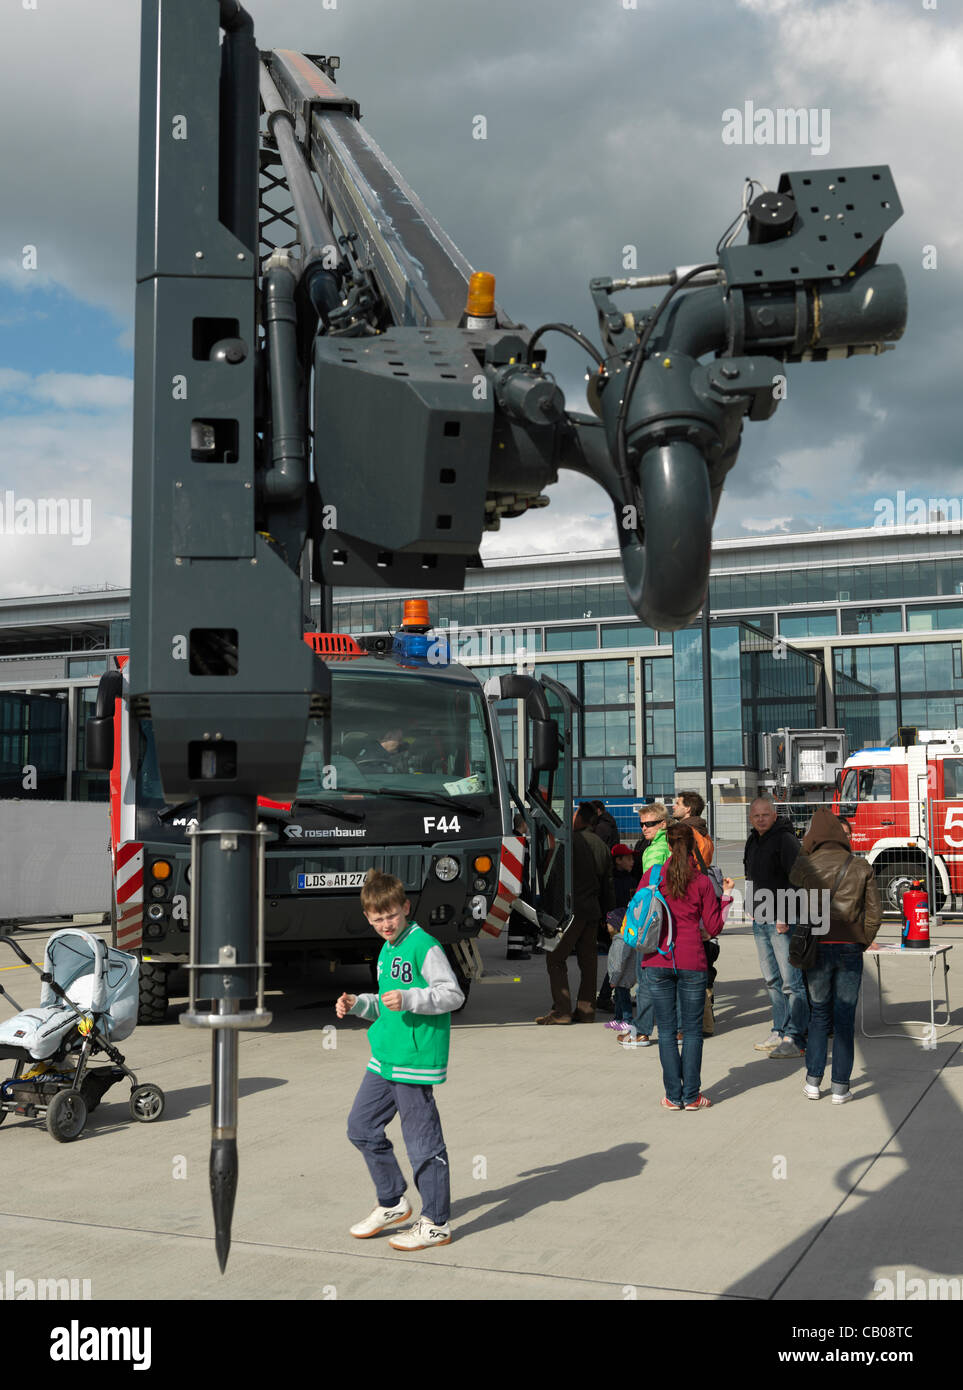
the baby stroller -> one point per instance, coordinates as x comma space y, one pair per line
88, 1002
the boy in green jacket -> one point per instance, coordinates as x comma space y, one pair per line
411, 1022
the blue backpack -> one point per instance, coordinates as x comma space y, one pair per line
646, 916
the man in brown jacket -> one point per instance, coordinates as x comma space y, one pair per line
845, 913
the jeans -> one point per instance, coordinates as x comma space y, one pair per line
834, 983
624, 1008
375, 1106
643, 1022
679, 995
785, 983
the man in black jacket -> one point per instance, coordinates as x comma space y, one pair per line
771, 850
605, 827
593, 896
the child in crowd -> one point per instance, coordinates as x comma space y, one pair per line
411, 1021
621, 973
621, 958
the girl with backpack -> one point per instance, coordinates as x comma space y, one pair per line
676, 971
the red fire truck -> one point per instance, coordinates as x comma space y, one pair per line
905, 806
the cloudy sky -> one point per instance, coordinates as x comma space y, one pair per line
604, 129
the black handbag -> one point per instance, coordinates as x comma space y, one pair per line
803, 946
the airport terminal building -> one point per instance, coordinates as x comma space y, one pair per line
857, 629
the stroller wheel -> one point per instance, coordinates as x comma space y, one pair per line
146, 1103
66, 1116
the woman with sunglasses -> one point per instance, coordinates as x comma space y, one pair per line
654, 850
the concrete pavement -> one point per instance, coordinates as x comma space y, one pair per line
569, 1181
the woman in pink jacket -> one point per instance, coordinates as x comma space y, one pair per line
677, 977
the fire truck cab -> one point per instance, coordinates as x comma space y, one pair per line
905, 807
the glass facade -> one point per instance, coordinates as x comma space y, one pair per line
503, 607
898, 579
758, 685
821, 592
880, 688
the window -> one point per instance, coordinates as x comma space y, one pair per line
863, 621
567, 639
608, 682
865, 669
605, 777
953, 778
938, 618
658, 681
608, 733
808, 625
565, 672
875, 784
633, 635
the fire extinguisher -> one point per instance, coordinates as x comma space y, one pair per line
916, 917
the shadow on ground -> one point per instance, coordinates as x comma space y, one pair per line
553, 1182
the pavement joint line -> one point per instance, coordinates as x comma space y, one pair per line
236, 1244
872, 1163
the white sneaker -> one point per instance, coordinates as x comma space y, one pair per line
422, 1234
380, 1218
811, 1091
841, 1100
773, 1040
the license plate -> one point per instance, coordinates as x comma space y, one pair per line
344, 880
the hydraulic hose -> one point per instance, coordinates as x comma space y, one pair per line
286, 479
667, 577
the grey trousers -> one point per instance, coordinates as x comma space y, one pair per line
375, 1106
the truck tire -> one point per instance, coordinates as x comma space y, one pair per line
154, 995
895, 873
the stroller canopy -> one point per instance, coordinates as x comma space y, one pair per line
95, 978
73, 955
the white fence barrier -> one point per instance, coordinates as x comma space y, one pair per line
53, 859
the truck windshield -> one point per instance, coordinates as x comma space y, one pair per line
418, 734
415, 733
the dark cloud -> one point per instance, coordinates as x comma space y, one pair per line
603, 131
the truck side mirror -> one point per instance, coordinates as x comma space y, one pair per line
544, 745
100, 744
